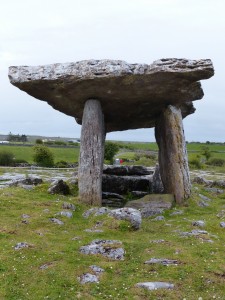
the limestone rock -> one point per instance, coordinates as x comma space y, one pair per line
88, 278
108, 248
155, 285
129, 214
142, 88
199, 223
153, 204
67, 205
162, 261
222, 224
21, 245
56, 221
96, 211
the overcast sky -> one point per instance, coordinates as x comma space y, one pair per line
37, 32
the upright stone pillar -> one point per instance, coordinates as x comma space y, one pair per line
173, 159
91, 153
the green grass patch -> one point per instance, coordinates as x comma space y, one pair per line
200, 272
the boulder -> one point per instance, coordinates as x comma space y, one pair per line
59, 187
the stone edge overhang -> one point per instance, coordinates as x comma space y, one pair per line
90, 69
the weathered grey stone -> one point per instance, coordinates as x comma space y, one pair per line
155, 285
25, 216
96, 211
195, 232
145, 89
124, 184
129, 214
93, 230
59, 187
177, 212
214, 190
199, 223
67, 214
203, 204
67, 205
107, 248
108, 195
127, 170
96, 269
21, 245
222, 224
173, 160
91, 153
159, 218
202, 180
162, 261
88, 278
56, 221
204, 197
151, 205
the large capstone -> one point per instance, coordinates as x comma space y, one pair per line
131, 95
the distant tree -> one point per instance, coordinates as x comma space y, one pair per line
23, 138
207, 142
206, 152
43, 156
110, 151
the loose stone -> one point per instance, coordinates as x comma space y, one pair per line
199, 223
88, 278
97, 269
57, 221
21, 245
159, 218
107, 248
96, 211
155, 285
162, 261
222, 224
177, 212
67, 214
68, 206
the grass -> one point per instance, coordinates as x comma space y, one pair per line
200, 272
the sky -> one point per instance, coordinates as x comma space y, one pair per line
137, 31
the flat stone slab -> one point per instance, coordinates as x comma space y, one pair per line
162, 261
155, 285
152, 204
131, 95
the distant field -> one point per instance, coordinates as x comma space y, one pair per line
24, 152
72, 154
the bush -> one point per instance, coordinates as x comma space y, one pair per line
43, 156
110, 150
61, 164
38, 142
6, 158
195, 163
217, 162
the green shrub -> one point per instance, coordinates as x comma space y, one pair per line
110, 150
61, 164
6, 158
43, 156
195, 163
218, 162
39, 142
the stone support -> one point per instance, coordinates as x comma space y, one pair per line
173, 154
91, 153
